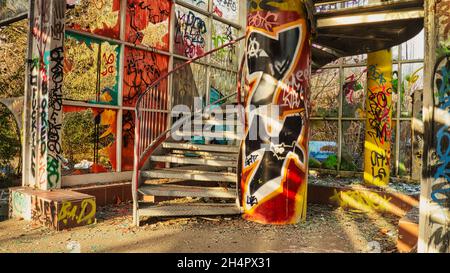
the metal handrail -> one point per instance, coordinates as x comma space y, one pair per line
139, 157
178, 67
177, 126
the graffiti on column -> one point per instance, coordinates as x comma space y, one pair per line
440, 187
46, 78
274, 153
435, 208
377, 152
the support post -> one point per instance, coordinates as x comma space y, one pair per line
274, 154
43, 95
377, 144
434, 221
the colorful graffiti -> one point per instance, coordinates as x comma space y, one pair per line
147, 23
190, 33
20, 205
43, 212
435, 206
141, 69
441, 182
377, 147
89, 140
274, 154
44, 93
222, 34
81, 213
227, 9
91, 70
100, 17
362, 201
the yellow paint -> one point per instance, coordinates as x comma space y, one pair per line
72, 212
377, 146
362, 201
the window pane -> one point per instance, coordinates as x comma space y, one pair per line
353, 145
414, 49
393, 147
356, 59
227, 9
222, 84
412, 84
325, 93
80, 66
203, 4
395, 50
404, 167
354, 92
222, 34
88, 140
188, 82
147, 23
128, 122
141, 69
395, 87
190, 33
84, 79
323, 144
99, 17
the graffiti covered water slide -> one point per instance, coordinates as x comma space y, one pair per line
346, 28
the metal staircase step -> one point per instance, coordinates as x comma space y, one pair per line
189, 210
187, 191
195, 175
229, 123
195, 154
193, 161
209, 134
200, 147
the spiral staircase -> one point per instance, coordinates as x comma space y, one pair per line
174, 175
180, 178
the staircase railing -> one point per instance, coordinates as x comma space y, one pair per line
152, 117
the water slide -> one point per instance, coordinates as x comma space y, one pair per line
365, 27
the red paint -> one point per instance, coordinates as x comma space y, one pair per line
141, 69
281, 209
142, 13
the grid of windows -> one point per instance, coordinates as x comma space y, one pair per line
338, 101
115, 49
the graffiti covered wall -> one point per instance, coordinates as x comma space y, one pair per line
434, 232
44, 96
377, 145
274, 154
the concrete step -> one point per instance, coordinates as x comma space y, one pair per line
187, 191
193, 161
189, 210
195, 175
200, 147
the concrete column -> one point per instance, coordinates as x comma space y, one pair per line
434, 222
43, 95
377, 144
274, 155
